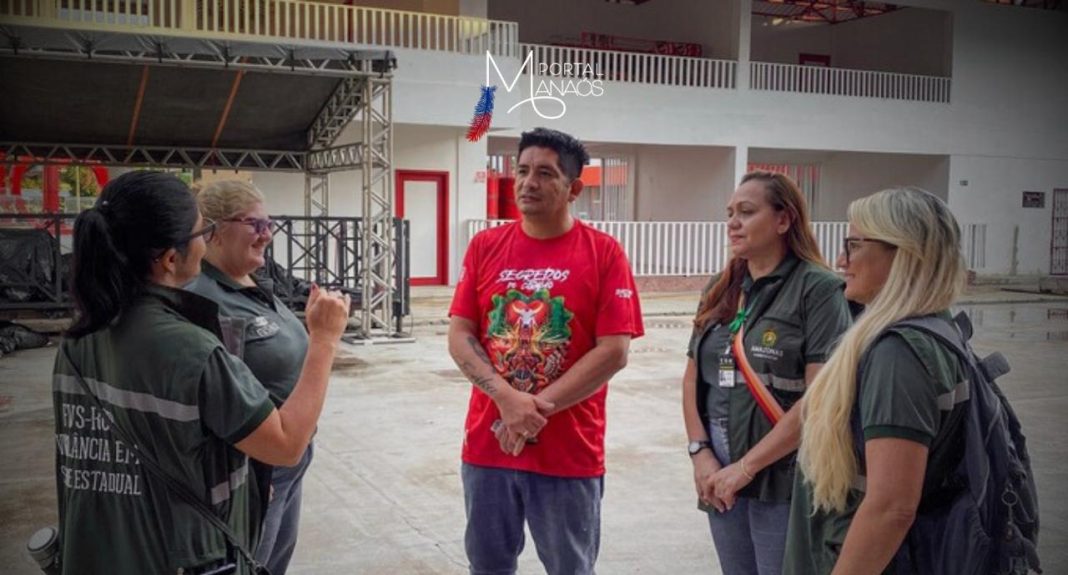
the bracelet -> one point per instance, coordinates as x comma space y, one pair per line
745, 471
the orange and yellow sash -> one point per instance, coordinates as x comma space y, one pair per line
761, 393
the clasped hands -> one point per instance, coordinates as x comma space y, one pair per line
523, 415
718, 486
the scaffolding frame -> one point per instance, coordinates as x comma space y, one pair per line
363, 96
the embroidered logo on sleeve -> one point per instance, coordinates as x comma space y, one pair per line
623, 293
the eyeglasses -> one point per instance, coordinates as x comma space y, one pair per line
850, 245
259, 225
208, 231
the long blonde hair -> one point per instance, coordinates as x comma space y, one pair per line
783, 193
926, 276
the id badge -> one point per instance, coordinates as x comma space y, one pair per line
726, 369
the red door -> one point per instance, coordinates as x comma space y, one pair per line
423, 200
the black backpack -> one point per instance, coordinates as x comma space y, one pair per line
984, 517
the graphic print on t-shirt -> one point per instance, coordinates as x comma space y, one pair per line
528, 338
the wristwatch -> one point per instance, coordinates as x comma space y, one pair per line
694, 446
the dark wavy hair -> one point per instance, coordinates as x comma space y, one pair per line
572, 153
137, 216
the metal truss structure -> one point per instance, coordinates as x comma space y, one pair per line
157, 50
325, 250
821, 11
378, 254
316, 194
362, 98
154, 156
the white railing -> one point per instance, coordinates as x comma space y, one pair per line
843, 82
275, 19
973, 242
631, 67
681, 248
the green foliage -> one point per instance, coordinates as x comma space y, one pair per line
79, 179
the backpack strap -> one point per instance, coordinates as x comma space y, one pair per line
954, 335
993, 366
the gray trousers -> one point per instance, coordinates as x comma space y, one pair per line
283, 516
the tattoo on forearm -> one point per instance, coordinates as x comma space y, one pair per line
483, 382
477, 347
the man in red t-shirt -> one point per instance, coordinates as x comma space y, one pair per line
542, 318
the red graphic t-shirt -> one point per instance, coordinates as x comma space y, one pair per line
540, 306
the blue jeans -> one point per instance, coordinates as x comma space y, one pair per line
280, 524
564, 515
750, 539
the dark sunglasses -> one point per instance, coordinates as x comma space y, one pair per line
259, 225
850, 245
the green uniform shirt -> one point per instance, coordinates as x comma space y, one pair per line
912, 388
266, 334
169, 383
796, 315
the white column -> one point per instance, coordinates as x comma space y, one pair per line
744, 33
741, 162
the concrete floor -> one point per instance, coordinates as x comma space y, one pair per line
383, 495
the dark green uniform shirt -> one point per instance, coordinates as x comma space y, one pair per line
265, 333
169, 383
796, 315
912, 388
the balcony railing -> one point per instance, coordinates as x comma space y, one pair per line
632, 67
702, 249
275, 20
843, 82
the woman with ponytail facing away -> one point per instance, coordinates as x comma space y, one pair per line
854, 504
155, 420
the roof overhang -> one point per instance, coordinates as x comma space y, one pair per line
132, 99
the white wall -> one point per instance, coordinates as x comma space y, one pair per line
909, 41
284, 192
683, 183
439, 88
848, 176
1017, 238
443, 148
550, 21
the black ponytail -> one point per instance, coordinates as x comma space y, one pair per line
138, 216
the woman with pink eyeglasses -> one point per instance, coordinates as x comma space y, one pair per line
262, 331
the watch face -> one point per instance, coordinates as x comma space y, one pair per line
695, 446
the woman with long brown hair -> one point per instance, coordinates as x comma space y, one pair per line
763, 328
